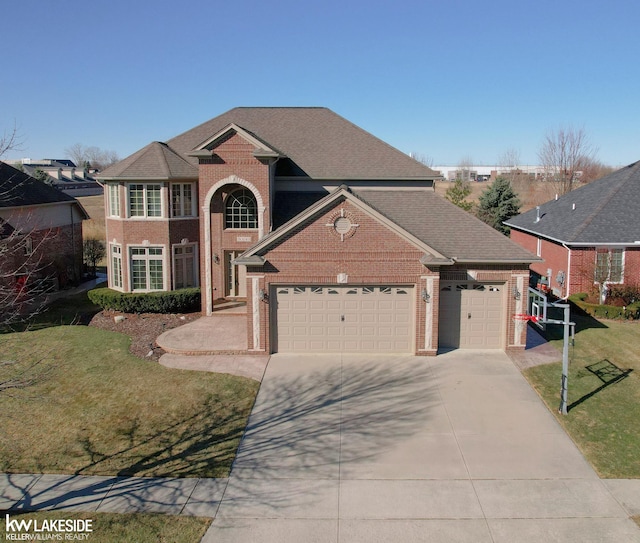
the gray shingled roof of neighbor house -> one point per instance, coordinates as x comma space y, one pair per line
19, 189
323, 144
605, 211
155, 161
442, 225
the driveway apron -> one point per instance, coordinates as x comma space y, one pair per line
380, 448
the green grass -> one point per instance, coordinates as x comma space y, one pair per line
95, 409
604, 394
129, 528
76, 309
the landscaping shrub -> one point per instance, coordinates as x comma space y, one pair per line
624, 294
631, 311
175, 301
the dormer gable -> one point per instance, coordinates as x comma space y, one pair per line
207, 149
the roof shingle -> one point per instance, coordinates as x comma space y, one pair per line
442, 225
604, 211
323, 144
18, 189
156, 160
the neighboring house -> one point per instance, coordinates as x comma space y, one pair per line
63, 174
336, 240
588, 236
46, 224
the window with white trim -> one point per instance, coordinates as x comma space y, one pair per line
114, 199
182, 202
241, 210
539, 247
116, 266
609, 266
185, 270
145, 200
147, 268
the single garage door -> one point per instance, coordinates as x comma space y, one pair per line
471, 315
345, 319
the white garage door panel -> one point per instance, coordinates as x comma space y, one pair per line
344, 319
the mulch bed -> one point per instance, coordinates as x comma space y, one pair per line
143, 329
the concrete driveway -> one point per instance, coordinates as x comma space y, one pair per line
456, 448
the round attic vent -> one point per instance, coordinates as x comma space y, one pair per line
342, 225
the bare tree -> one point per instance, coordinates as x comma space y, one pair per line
10, 140
593, 169
464, 169
94, 251
92, 156
564, 154
423, 159
24, 275
23, 279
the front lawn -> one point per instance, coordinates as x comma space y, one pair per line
604, 394
110, 527
90, 407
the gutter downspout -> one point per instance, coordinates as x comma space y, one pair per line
568, 278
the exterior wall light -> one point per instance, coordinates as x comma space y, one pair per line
425, 296
516, 293
262, 295
216, 258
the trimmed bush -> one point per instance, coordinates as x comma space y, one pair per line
174, 301
630, 312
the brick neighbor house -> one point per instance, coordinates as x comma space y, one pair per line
337, 241
588, 236
40, 233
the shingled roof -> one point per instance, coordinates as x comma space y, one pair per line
155, 161
451, 231
429, 219
321, 143
18, 189
602, 212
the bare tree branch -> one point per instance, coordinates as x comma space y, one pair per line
564, 154
91, 156
10, 140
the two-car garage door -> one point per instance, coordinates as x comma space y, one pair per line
345, 319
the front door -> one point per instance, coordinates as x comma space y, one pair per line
236, 277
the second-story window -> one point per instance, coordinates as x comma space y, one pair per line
241, 210
145, 200
114, 199
182, 200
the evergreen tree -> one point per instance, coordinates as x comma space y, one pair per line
458, 193
498, 203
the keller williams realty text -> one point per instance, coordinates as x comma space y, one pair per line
47, 530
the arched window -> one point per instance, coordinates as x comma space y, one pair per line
241, 210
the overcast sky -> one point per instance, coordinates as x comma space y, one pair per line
447, 79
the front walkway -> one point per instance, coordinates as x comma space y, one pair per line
217, 343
